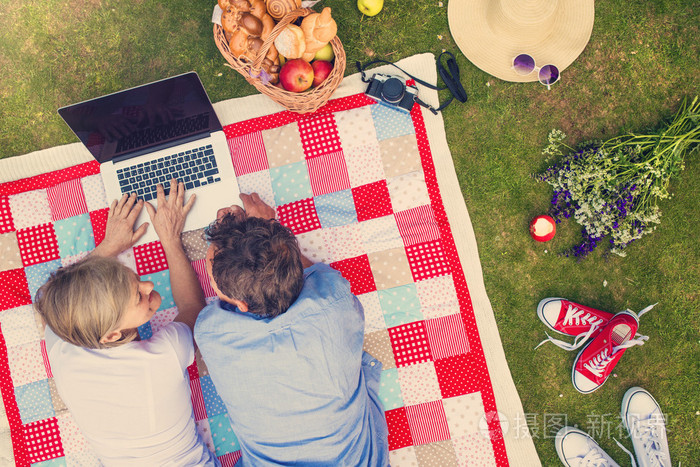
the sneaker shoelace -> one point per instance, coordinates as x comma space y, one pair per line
594, 458
648, 432
579, 316
599, 362
582, 338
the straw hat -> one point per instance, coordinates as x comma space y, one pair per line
491, 33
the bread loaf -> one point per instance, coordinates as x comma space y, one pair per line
246, 25
319, 29
290, 42
278, 8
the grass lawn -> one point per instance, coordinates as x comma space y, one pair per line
642, 60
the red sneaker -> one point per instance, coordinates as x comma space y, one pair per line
572, 319
597, 359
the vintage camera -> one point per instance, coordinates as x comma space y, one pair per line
392, 90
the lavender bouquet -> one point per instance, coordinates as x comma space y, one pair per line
612, 188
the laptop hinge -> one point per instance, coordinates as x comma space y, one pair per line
180, 141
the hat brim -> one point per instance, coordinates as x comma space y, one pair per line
554, 32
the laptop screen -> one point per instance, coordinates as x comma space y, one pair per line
142, 119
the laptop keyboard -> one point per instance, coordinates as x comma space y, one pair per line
195, 168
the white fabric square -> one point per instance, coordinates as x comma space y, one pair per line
374, 317
313, 245
95, 196
404, 457
26, 363
72, 439
30, 208
355, 127
127, 258
408, 191
19, 326
474, 450
435, 291
465, 414
419, 383
364, 164
257, 182
380, 234
343, 242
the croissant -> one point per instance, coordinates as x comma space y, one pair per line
278, 8
319, 29
246, 25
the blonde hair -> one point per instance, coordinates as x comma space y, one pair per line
85, 301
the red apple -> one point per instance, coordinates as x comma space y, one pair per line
322, 69
543, 228
296, 75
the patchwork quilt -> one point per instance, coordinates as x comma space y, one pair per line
356, 183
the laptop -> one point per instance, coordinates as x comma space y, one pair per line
151, 133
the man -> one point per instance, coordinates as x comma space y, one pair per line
283, 345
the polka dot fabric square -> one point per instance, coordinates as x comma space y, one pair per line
74, 235
428, 422
343, 242
38, 244
38, 274
150, 258
372, 200
380, 234
437, 454
260, 183
248, 153
283, 145
94, 192
9, 252
6, 223
212, 401
162, 318
336, 209
358, 272
355, 127
26, 363
390, 268
400, 305
410, 344
404, 457
299, 216
98, 219
313, 245
14, 290
374, 317
364, 165
34, 401
161, 284
222, 435
390, 122
73, 440
475, 450
19, 326
328, 173
400, 155
319, 135
458, 375
66, 199
43, 440
399, 430
390, 390
408, 191
30, 209
290, 183
427, 260
464, 414
419, 383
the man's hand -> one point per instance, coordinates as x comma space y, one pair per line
256, 207
169, 219
119, 233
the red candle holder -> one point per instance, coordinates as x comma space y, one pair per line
543, 228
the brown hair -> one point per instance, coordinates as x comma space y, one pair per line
83, 302
256, 261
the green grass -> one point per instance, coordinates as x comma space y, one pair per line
642, 60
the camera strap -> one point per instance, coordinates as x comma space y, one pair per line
451, 79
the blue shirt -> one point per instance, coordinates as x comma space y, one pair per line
298, 388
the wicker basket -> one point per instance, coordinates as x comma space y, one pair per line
303, 102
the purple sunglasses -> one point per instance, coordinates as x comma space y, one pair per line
524, 64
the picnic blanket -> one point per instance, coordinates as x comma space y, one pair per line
368, 189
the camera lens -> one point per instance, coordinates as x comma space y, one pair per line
393, 90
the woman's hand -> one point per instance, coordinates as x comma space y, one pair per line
169, 219
119, 233
255, 207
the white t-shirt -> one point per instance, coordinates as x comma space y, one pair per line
132, 402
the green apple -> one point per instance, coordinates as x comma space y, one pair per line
370, 7
325, 53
